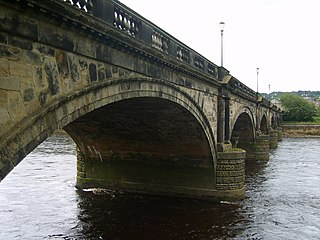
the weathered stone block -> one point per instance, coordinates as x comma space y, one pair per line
38, 78
74, 67
5, 117
52, 74
101, 72
28, 95
10, 83
4, 68
239, 179
104, 53
17, 24
33, 57
219, 179
42, 98
20, 69
44, 49
9, 53
236, 173
62, 63
228, 180
85, 46
58, 38
20, 43
3, 38
108, 71
222, 173
93, 72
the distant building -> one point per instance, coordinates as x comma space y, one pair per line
315, 101
277, 103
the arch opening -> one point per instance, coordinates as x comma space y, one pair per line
263, 125
273, 123
243, 134
143, 144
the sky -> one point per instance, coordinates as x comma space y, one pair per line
280, 37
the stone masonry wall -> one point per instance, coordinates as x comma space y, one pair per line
231, 172
45, 67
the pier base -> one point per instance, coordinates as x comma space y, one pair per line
231, 174
262, 147
179, 179
280, 134
273, 138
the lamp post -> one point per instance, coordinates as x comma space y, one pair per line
221, 30
269, 92
257, 80
257, 103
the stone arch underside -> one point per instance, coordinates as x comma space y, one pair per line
273, 122
263, 125
142, 144
59, 114
242, 135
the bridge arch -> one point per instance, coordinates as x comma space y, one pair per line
243, 130
64, 110
273, 122
263, 126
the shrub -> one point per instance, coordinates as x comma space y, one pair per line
297, 109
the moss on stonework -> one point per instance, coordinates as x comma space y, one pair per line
235, 150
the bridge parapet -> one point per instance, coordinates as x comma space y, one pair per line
241, 89
119, 16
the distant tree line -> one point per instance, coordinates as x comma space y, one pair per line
297, 109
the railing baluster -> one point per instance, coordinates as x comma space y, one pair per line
82, 4
67, 1
89, 6
75, 2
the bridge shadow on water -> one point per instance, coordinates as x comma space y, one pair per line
108, 215
101, 214
114, 215
105, 214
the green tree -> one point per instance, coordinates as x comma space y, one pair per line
297, 109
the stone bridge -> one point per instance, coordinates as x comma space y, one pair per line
147, 113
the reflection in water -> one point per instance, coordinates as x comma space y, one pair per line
38, 201
125, 216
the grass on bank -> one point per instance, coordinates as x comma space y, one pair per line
316, 121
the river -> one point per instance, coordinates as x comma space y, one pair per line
38, 200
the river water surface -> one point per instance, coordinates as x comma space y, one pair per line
38, 200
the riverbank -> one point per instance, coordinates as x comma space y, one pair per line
301, 130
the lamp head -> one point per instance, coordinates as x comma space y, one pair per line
221, 26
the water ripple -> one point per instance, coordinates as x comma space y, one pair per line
38, 200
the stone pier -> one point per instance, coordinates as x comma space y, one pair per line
273, 138
262, 147
231, 174
147, 177
279, 134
